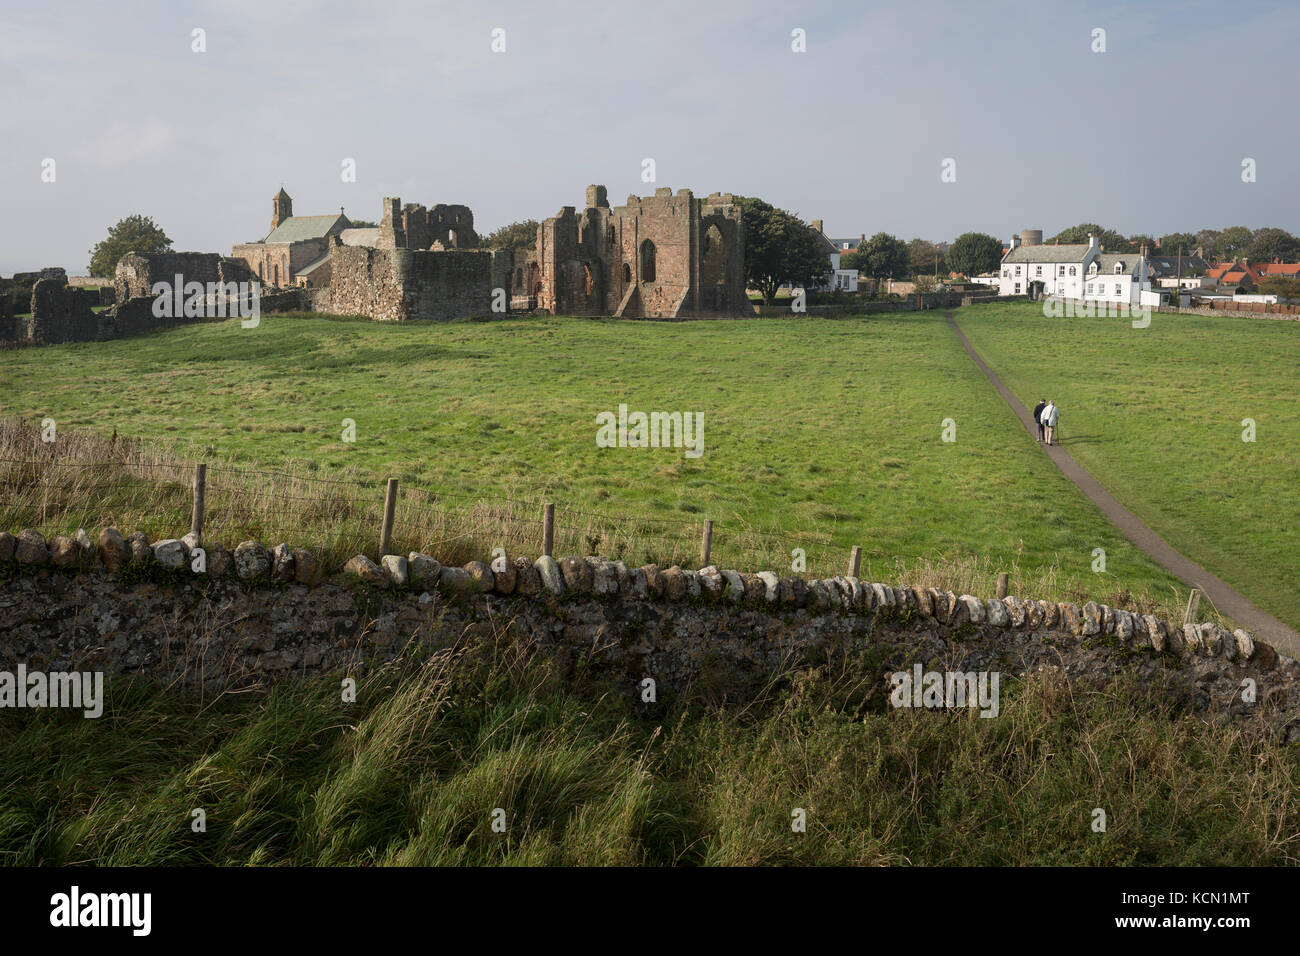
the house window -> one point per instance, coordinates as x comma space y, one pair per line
1089, 288
1017, 288
1006, 273
1118, 290
1072, 270
1017, 270
1038, 270
1062, 271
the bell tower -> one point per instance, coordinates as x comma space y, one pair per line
281, 208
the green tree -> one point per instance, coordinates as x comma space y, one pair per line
1232, 243
925, 258
780, 249
1272, 243
974, 253
923, 283
885, 257
362, 223
1109, 238
133, 234
516, 236
1171, 242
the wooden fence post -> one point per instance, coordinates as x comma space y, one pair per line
706, 544
855, 561
1003, 581
200, 490
548, 531
1193, 604
390, 509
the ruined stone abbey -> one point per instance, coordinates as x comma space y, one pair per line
662, 256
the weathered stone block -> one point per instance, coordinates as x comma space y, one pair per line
482, 576
171, 553
527, 579
31, 548
359, 565
138, 542
63, 551
552, 579
422, 570
306, 569
254, 561
113, 551
282, 563
396, 568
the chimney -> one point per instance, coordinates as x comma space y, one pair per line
817, 225
1015, 243
1144, 250
1094, 242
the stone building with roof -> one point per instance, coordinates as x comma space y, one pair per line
296, 251
1074, 271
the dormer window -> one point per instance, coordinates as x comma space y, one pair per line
1119, 268
1092, 269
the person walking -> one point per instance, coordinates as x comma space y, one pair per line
1051, 415
1038, 416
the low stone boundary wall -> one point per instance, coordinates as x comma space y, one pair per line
124, 604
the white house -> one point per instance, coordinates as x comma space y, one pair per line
837, 280
1074, 271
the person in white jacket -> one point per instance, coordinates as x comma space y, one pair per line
1051, 415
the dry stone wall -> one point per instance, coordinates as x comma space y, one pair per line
125, 604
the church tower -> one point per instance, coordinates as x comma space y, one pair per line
281, 208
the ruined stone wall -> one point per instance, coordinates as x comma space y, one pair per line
258, 612
366, 281
60, 314
8, 326
137, 272
398, 285
662, 256
414, 227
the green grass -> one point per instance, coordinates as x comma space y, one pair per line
1156, 415
825, 433
412, 772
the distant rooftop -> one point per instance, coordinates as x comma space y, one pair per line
298, 228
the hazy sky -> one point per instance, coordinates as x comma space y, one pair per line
1148, 136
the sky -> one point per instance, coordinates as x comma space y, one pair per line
1148, 135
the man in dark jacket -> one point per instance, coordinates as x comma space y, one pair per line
1038, 415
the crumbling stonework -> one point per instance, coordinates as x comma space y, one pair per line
399, 285
61, 314
414, 227
8, 327
661, 256
137, 272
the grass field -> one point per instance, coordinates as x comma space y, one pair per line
413, 771
1156, 415
818, 433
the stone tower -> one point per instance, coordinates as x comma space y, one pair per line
281, 208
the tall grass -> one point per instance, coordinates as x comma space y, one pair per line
86, 480
436, 742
